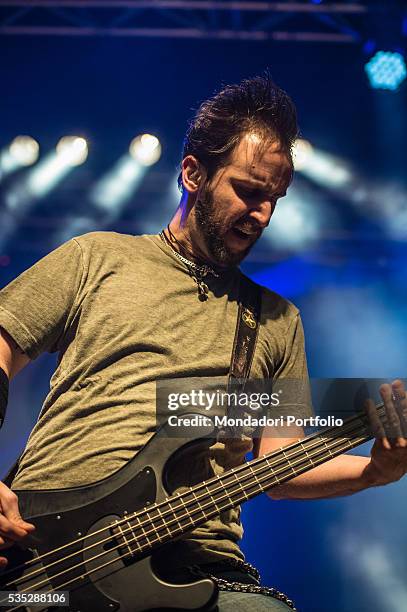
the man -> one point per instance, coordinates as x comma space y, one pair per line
124, 312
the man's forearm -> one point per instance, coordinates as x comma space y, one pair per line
342, 475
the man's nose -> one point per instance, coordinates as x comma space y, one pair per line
262, 212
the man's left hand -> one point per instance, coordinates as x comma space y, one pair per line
389, 453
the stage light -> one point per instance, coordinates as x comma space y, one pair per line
114, 189
302, 152
319, 166
72, 150
386, 70
22, 151
146, 149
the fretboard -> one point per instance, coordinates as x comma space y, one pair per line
164, 521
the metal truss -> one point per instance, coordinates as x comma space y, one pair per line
339, 22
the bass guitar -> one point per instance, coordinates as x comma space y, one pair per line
97, 542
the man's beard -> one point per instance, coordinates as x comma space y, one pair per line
213, 231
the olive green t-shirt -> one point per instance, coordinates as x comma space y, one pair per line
123, 312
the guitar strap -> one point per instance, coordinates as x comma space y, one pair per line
247, 328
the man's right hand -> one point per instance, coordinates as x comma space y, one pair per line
12, 526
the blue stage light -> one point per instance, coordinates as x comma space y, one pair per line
386, 70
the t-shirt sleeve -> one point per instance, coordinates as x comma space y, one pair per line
291, 374
35, 308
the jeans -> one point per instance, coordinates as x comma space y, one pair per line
249, 602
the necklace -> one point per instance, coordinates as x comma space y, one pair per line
197, 273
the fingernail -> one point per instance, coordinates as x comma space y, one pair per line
386, 444
29, 526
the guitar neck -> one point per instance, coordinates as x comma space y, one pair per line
185, 511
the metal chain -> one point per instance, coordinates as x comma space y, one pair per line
197, 273
241, 587
202, 270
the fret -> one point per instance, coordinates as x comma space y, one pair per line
152, 524
140, 526
329, 450
288, 460
133, 535
213, 499
253, 473
182, 506
185, 507
163, 521
225, 490
272, 471
240, 485
119, 527
197, 501
308, 457
174, 514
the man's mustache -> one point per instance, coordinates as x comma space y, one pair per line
248, 227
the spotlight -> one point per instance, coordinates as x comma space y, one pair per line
145, 149
72, 150
115, 189
386, 70
302, 152
319, 166
24, 150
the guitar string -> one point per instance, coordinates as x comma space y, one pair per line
299, 445
356, 441
199, 509
343, 441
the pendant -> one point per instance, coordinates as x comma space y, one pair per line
203, 288
203, 291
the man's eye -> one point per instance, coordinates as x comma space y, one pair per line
247, 193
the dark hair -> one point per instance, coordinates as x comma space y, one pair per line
255, 105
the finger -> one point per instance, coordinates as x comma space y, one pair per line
3, 562
375, 422
9, 507
400, 402
11, 530
392, 425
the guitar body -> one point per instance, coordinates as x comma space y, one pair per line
112, 580
98, 541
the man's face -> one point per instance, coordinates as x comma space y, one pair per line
232, 211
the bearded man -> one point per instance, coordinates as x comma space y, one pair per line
126, 311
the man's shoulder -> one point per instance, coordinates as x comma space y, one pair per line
275, 306
110, 240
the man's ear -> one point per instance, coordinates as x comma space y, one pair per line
193, 174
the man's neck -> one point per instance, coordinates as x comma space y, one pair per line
184, 238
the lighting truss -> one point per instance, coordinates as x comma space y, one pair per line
200, 19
